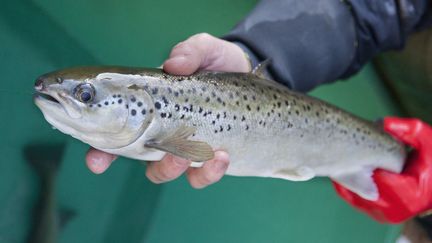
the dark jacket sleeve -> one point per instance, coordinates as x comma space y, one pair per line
311, 42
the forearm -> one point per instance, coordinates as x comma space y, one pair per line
317, 41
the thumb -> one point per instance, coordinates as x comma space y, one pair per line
203, 51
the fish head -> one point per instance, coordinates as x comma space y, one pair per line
92, 105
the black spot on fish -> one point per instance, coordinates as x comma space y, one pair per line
248, 107
231, 96
215, 131
181, 91
225, 115
114, 96
185, 108
200, 110
151, 111
237, 103
275, 96
99, 105
306, 120
127, 106
247, 127
180, 79
157, 105
169, 90
186, 100
176, 94
268, 113
220, 129
253, 97
143, 111
203, 89
308, 107
317, 113
213, 122
163, 114
182, 116
235, 117
207, 99
286, 103
279, 114
165, 101
190, 107
120, 101
112, 103
245, 97
133, 112
297, 112
279, 104
139, 104
154, 91
213, 94
169, 115
218, 116
229, 127
106, 103
219, 100
133, 99
177, 107
243, 118
119, 95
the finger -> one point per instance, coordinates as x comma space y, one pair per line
169, 168
411, 131
211, 172
203, 51
98, 161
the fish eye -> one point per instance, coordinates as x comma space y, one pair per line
85, 92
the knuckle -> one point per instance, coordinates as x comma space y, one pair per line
152, 177
165, 174
202, 37
209, 177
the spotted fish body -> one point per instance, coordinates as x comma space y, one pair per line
268, 130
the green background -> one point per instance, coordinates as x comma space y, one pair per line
122, 205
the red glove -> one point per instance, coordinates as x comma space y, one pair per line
405, 195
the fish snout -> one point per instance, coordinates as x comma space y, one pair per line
39, 84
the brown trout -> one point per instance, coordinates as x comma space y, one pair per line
268, 130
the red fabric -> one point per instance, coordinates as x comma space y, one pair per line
401, 196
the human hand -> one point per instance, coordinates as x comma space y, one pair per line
401, 196
201, 51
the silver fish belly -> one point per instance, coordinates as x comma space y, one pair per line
268, 130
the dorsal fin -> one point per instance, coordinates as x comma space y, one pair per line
260, 69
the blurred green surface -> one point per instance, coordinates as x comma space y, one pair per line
121, 205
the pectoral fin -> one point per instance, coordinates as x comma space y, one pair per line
178, 144
360, 182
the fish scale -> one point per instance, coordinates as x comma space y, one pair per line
268, 130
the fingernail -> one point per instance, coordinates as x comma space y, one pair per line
177, 60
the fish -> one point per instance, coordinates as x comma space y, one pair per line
267, 129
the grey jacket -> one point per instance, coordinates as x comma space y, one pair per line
311, 42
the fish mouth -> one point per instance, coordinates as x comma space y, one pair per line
46, 97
